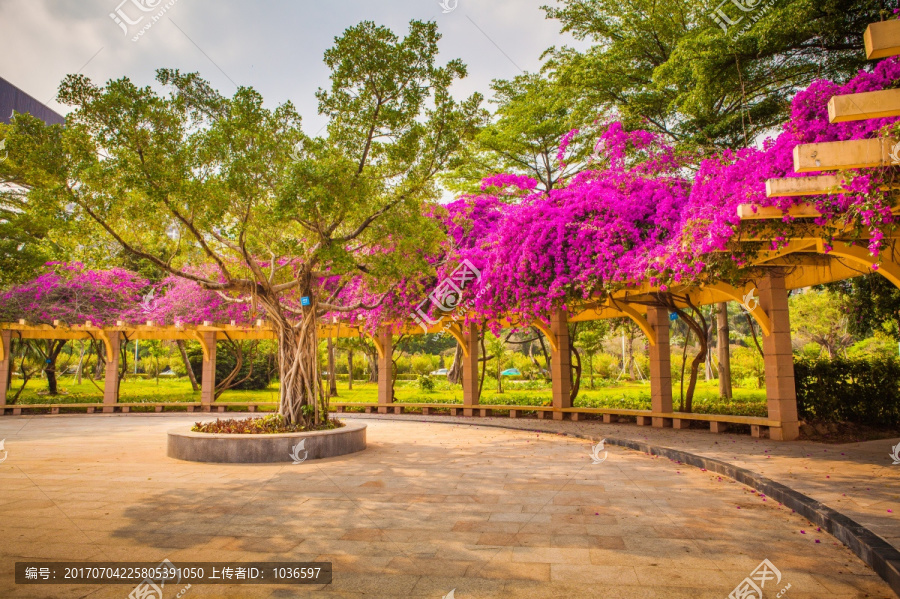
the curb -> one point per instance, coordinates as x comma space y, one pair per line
877, 553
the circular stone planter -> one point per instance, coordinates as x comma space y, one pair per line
265, 449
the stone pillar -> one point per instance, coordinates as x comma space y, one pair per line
385, 370
111, 379
779, 359
660, 365
5, 339
208, 372
560, 363
470, 369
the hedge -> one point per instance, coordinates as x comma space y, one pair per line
859, 390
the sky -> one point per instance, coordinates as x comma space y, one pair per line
274, 46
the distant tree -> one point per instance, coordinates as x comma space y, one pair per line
533, 115
872, 303
821, 317
670, 67
193, 177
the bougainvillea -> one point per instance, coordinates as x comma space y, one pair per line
74, 294
640, 217
179, 300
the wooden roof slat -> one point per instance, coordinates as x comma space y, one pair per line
866, 105
882, 39
841, 155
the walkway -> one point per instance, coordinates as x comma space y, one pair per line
428, 508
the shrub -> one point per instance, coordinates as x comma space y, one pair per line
263, 362
425, 383
858, 390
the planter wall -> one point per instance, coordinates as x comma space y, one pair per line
265, 449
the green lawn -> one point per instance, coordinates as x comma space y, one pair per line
746, 402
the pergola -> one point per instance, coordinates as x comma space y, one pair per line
801, 262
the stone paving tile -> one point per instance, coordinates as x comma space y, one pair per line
425, 509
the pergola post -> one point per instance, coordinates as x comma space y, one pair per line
781, 393
111, 378
560, 363
470, 369
385, 370
5, 346
208, 372
660, 365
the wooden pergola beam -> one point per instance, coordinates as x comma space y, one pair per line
841, 155
882, 39
803, 186
752, 212
866, 105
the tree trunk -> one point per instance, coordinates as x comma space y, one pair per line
372, 359
591, 368
187, 365
631, 362
724, 350
350, 369
301, 397
53, 349
455, 374
701, 329
78, 370
576, 379
332, 377
499, 376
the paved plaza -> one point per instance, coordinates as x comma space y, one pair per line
440, 506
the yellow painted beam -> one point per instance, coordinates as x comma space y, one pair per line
638, 319
867, 105
765, 256
551, 338
840, 155
198, 336
104, 336
745, 297
882, 39
886, 267
379, 348
457, 333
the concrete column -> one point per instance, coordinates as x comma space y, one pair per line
660, 365
208, 372
385, 370
470, 369
5, 338
111, 379
781, 392
561, 363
